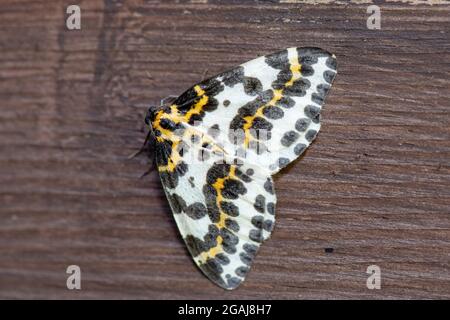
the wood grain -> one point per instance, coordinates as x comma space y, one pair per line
374, 188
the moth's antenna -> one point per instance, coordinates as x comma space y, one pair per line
204, 74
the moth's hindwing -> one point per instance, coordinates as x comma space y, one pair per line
224, 212
257, 117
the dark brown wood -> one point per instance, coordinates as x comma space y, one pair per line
374, 186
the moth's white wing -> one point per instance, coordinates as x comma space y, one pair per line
223, 211
268, 109
263, 114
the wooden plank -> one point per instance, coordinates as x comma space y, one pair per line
374, 186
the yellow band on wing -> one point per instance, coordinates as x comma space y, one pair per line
295, 69
218, 186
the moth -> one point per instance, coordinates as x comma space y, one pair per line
218, 144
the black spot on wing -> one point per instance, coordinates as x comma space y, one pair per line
256, 235
278, 60
283, 76
195, 245
191, 182
289, 138
162, 151
177, 202
232, 77
189, 98
229, 248
222, 258
213, 271
260, 203
229, 237
267, 225
229, 240
229, 208
250, 249
317, 98
310, 135
252, 86
169, 179
298, 88
283, 162
329, 76
241, 271
299, 148
217, 171
181, 168
273, 112
249, 108
195, 118
167, 124
268, 186
232, 225
210, 198
285, 102
257, 221
331, 62
302, 124
244, 177
233, 282
271, 208
321, 93
310, 55
186, 99
233, 188
306, 70
245, 258
210, 238
313, 113
196, 210
214, 131
261, 124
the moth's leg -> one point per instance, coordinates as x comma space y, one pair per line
169, 99
148, 147
150, 169
151, 145
144, 146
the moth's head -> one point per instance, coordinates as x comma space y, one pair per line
151, 113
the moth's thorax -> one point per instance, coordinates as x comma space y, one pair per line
163, 120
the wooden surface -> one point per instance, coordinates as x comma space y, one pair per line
374, 186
